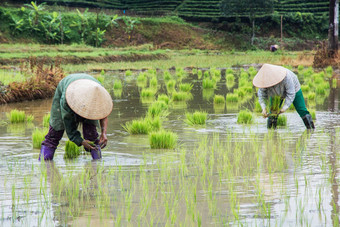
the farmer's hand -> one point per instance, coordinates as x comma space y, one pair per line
87, 145
282, 111
103, 140
264, 113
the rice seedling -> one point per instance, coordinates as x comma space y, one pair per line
199, 74
100, 78
206, 74
196, 118
244, 82
142, 77
29, 118
258, 108
319, 90
219, 99
170, 85
128, 73
166, 75
186, 87
313, 114
329, 71
148, 92
208, 83
305, 88
311, 96
163, 140
153, 82
158, 108
252, 72
38, 136
275, 104
229, 71
117, 85
334, 83
240, 93
118, 93
164, 98
230, 78
282, 120
46, 120
16, 116
71, 150
143, 125
194, 71
245, 117
208, 94
181, 96
232, 97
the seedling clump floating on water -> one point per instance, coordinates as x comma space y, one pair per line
181, 96
143, 126
208, 83
164, 98
128, 73
158, 108
186, 87
148, 92
163, 139
232, 97
71, 150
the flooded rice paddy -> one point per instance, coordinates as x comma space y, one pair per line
222, 173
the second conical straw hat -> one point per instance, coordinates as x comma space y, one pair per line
89, 99
269, 75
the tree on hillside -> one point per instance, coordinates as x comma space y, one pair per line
333, 28
247, 8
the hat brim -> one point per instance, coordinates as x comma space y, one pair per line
89, 99
269, 75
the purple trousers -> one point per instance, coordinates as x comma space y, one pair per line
53, 137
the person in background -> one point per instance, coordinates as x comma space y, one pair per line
79, 98
274, 48
273, 80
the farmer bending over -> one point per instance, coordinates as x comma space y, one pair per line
79, 98
273, 80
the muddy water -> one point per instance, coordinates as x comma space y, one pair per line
222, 173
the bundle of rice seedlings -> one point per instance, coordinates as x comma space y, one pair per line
46, 120
167, 75
71, 150
181, 96
164, 98
245, 117
158, 108
163, 140
186, 87
219, 99
38, 136
117, 85
128, 73
282, 120
196, 118
16, 116
232, 97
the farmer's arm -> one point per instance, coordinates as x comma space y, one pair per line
103, 137
290, 92
262, 94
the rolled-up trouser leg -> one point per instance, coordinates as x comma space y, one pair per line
49, 145
90, 133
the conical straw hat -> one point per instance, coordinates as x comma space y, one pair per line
269, 75
89, 99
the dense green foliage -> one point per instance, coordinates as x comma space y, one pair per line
52, 25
